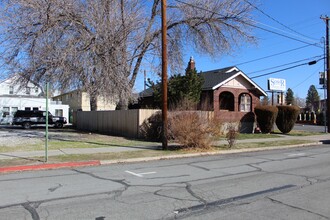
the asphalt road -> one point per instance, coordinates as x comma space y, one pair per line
278, 184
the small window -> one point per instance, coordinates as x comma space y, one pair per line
245, 103
59, 112
11, 90
28, 90
14, 110
27, 108
5, 111
36, 89
35, 109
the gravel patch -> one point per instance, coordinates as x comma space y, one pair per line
16, 136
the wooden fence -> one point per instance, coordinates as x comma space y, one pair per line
121, 122
126, 123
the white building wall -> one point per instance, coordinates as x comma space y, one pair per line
8, 87
13, 98
21, 103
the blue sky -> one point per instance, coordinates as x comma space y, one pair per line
303, 19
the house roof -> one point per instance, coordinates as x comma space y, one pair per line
10, 78
147, 93
213, 79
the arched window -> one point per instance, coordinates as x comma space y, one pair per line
226, 101
245, 102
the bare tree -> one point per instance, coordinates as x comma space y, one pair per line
101, 45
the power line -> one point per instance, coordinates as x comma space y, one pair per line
252, 25
272, 55
280, 23
306, 79
298, 61
303, 64
292, 38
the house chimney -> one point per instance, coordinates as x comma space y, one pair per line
191, 64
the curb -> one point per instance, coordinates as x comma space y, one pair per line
48, 166
178, 156
11, 169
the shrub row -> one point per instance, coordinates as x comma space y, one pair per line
284, 116
191, 130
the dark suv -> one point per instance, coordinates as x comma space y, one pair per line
29, 118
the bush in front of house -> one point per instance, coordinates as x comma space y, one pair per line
232, 133
286, 117
187, 128
192, 130
266, 116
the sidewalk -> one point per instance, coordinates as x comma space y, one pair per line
70, 151
315, 139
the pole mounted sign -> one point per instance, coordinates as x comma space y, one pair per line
276, 84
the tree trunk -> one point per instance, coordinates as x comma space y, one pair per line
93, 102
122, 104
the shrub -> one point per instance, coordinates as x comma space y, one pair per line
188, 128
151, 129
320, 118
191, 130
286, 117
232, 134
266, 116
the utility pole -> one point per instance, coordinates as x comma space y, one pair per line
326, 19
145, 80
164, 75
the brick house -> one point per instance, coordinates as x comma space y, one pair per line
228, 92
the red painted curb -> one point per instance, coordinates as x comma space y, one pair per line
48, 166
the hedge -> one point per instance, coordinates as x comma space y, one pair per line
266, 116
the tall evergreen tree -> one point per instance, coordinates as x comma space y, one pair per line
312, 99
184, 91
289, 97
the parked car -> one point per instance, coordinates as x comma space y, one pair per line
28, 118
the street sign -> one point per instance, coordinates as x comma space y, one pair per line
275, 84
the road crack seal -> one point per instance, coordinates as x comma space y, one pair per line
31, 207
122, 182
295, 207
117, 193
255, 167
55, 188
199, 167
157, 193
220, 203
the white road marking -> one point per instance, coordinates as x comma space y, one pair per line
296, 155
139, 174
